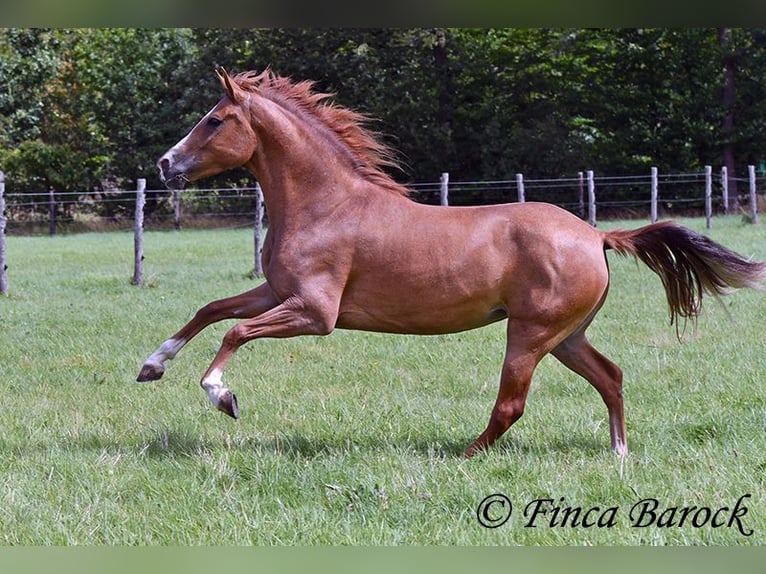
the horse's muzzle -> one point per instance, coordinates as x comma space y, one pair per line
176, 182
170, 179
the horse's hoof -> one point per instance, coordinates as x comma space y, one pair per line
474, 449
150, 372
227, 403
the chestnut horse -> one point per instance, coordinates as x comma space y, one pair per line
346, 248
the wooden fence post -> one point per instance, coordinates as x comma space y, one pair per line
653, 207
520, 188
258, 267
3, 266
591, 198
138, 235
725, 189
177, 209
444, 189
708, 197
51, 212
753, 195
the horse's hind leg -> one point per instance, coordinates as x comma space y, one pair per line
245, 305
579, 355
515, 380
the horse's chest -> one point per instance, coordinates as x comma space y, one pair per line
298, 266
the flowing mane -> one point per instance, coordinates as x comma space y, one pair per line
367, 154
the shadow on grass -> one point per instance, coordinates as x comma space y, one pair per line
179, 442
183, 443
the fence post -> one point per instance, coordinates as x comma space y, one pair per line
138, 235
581, 193
591, 198
753, 195
725, 189
258, 267
177, 209
708, 197
51, 212
444, 189
520, 187
653, 208
3, 266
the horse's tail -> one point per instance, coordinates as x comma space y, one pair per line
688, 263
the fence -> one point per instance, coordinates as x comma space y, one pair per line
697, 193
3, 266
586, 195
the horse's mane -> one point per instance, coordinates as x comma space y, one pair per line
369, 155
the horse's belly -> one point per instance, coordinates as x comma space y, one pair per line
420, 324
418, 310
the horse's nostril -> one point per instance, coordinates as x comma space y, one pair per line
163, 164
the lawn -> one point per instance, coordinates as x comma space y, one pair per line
356, 438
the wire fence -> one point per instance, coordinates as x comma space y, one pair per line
625, 197
77, 211
649, 196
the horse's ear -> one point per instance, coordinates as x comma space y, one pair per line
229, 86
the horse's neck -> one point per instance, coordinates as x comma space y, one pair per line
298, 192
298, 177
304, 176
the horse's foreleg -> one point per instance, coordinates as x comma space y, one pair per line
578, 355
515, 381
289, 319
245, 305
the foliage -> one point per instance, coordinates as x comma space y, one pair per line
92, 109
87, 109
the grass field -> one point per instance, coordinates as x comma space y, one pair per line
356, 438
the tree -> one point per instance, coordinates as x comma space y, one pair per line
103, 103
92, 109
29, 60
728, 101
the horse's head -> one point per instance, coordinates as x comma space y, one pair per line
223, 139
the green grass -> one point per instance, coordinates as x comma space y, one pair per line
355, 438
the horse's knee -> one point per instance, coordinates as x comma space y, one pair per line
507, 412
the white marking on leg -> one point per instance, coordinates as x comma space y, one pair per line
167, 351
213, 386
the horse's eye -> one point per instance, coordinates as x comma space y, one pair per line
214, 122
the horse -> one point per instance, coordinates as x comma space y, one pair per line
347, 247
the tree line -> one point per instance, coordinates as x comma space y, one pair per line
92, 109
